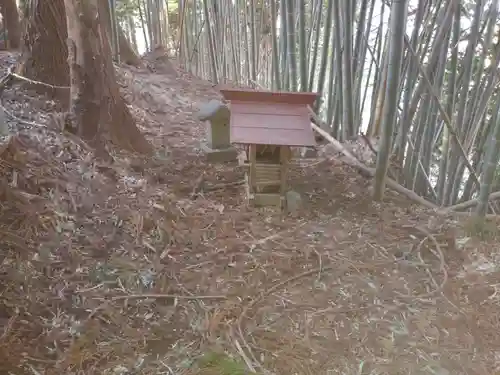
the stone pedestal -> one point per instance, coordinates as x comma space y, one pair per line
219, 155
218, 147
308, 152
294, 203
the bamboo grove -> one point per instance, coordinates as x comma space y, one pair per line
420, 75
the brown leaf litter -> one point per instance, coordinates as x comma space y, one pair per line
117, 269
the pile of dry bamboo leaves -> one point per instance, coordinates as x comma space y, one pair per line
117, 269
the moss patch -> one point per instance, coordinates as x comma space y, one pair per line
481, 228
214, 363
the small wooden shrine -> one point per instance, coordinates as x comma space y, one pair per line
268, 124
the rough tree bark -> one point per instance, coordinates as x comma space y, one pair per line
44, 50
10, 15
97, 108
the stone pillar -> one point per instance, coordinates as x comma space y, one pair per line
218, 146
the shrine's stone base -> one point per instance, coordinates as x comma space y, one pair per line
221, 155
308, 152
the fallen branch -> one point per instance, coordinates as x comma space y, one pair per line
469, 204
366, 171
223, 186
198, 186
160, 296
148, 296
370, 172
442, 265
369, 144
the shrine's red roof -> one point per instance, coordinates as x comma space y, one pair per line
270, 118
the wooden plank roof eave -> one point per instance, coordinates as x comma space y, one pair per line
261, 96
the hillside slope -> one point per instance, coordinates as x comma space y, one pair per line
120, 269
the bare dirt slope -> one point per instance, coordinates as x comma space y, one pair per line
121, 269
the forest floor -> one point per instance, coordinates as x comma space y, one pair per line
121, 269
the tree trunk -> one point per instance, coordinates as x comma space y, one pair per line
97, 108
133, 37
44, 50
127, 54
11, 23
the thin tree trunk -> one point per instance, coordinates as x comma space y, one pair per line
292, 48
348, 118
133, 35
489, 168
325, 54
113, 30
399, 13
275, 48
143, 26
303, 54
